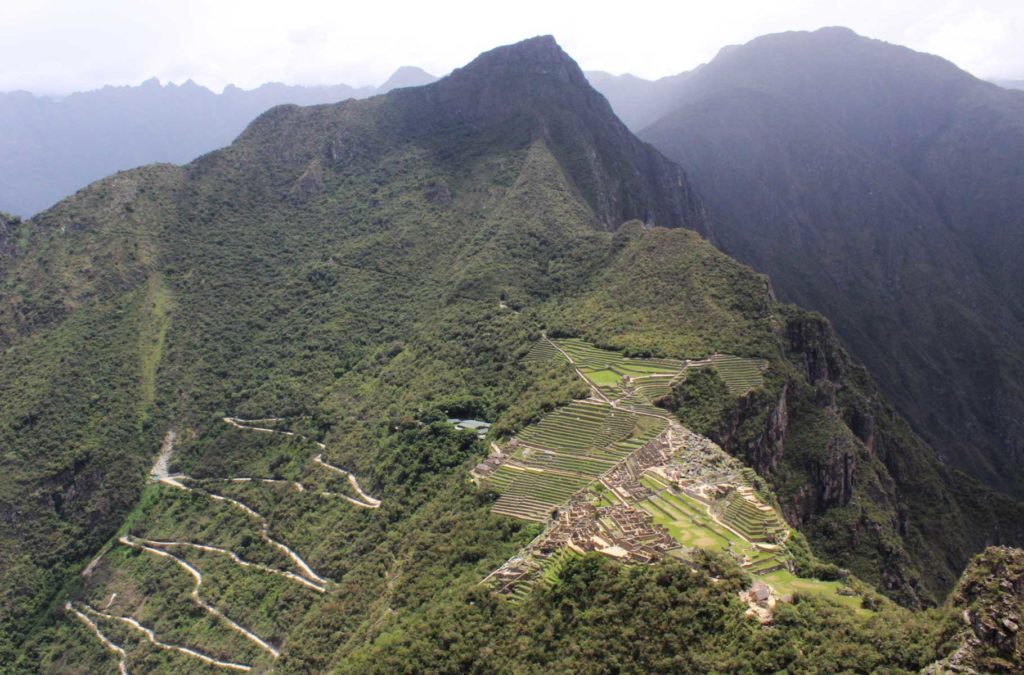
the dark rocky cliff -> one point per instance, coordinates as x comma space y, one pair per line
990, 601
848, 471
881, 187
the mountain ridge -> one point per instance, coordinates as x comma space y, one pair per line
356, 274
57, 145
876, 185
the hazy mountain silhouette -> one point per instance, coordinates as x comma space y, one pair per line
406, 76
637, 102
51, 147
884, 188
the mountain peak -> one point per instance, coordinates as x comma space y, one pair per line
540, 55
406, 76
838, 31
532, 91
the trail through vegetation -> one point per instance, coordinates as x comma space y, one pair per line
151, 637
122, 657
198, 599
369, 503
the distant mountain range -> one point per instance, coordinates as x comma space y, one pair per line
884, 188
51, 147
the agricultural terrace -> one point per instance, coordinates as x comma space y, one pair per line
633, 381
637, 383
691, 524
541, 351
739, 374
617, 475
571, 447
563, 453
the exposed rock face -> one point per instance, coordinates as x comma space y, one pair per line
764, 451
836, 475
881, 187
990, 600
833, 470
852, 476
814, 342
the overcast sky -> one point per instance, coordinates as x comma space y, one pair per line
58, 46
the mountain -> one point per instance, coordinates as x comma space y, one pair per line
1010, 84
406, 76
49, 148
228, 391
637, 102
881, 187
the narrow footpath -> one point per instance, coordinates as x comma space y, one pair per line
151, 637
198, 599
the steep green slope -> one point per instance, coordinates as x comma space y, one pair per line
83, 322
604, 617
356, 274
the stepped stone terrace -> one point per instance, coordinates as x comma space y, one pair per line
616, 475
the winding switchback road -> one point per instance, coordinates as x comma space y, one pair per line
122, 657
368, 503
151, 637
198, 599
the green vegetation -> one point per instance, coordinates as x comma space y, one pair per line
991, 604
691, 525
342, 267
639, 382
532, 494
665, 618
582, 428
605, 379
786, 583
700, 400
757, 523
739, 374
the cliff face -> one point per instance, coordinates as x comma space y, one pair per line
832, 470
849, 473
990, 601
882, 188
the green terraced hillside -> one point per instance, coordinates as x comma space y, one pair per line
581, 428
569, 448
754, 522
650, 379
739, 374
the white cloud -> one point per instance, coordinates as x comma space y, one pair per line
62, 45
